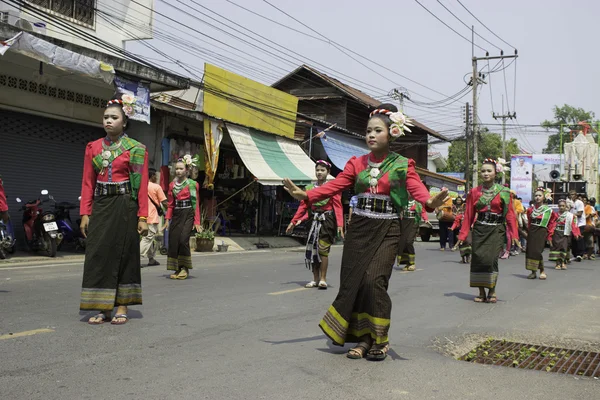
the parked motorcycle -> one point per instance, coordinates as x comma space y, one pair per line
41, 229
7, 239
70, 231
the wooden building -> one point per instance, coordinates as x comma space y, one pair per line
324, 99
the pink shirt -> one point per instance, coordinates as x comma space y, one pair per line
157, 195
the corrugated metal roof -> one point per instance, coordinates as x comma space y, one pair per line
356, 94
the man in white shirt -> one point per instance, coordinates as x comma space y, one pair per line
577, 244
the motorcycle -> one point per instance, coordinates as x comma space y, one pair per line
7, 239
41, 229
70, 232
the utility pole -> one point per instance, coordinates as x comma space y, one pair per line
467, 138
504, 117
475, 80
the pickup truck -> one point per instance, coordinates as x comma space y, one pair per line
427, 230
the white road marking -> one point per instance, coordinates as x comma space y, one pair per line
289, 291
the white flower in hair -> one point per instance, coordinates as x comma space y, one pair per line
400, 124
187, 159
128, 99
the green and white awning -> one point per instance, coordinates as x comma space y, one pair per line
270, 158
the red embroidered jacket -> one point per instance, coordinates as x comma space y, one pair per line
184, 194
347, 178
120, 173
334, 203
495, 206
551, 224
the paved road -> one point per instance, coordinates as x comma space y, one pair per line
244, 328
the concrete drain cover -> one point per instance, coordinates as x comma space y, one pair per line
537, 358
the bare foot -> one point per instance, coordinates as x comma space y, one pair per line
121, 310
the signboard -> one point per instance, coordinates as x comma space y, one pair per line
242, 101
141, 92
521, 176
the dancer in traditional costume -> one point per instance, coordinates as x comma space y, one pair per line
183, 215
566, 225
464, 247
383, 181
114, 209
542, 221
488, 208
411, 220
327, 222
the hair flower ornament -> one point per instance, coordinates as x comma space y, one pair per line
128, 104
548, 194
400, 124
501, 166
190, 161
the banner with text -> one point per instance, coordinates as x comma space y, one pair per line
521, 176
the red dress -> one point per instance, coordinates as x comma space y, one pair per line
184, 194
120, 173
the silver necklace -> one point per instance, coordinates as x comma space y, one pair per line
374, 172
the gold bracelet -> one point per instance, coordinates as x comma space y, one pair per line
142, 219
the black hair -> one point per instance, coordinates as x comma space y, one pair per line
383, 117
151, 173
116, 103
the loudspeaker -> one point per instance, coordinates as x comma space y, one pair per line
554, 174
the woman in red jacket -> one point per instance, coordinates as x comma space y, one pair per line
328, 220
114, 207
383, 181
183, 214
491, 204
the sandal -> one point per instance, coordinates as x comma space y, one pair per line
558, 266
532, 275
479, 299
322, 285
183, 274
564, 266
411, 268
174, 276
543, 276
103, 318
378, 352
359, 351
311, 284
492, 299
120, 316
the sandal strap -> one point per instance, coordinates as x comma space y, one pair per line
121, 316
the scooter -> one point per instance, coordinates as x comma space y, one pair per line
71, 232
41, 229
7, 239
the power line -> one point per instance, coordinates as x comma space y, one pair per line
485, 25
468, 27
449, 27
353, 52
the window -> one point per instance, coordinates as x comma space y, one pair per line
78, 11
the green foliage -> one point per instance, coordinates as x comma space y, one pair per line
489, 146
568, 115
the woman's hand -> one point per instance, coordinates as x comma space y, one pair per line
290, 228
438, 200
459, 243
517, 242
294, 190
341, 232
198, 228
166, 225
83, 226
142, 228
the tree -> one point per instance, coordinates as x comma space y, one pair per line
566, 115
489, 146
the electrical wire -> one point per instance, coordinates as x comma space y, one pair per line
449, 27
477, 19
468, 27
352, 51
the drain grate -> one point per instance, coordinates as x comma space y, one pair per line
537, 358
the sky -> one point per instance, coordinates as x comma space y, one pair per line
555, 40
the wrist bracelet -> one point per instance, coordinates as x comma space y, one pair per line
144, 219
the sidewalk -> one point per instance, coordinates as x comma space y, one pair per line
236, 244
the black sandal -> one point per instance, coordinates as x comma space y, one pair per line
378, 352
359, 351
